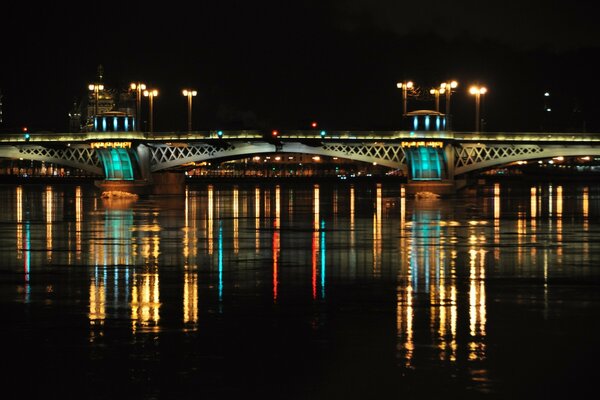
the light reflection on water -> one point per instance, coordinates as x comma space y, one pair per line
171, 263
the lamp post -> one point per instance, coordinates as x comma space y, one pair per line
96, 87
189, 93
138, 87
151, 94
437, 92
405, 86
447, 88
477, 91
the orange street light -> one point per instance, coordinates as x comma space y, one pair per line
96, 87
477, 91
189, 94
151, 94
138, 87
405, 86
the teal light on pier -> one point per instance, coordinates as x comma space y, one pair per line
117, 164
426, 163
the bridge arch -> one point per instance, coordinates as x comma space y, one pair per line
470, 158
82, 158
165, 157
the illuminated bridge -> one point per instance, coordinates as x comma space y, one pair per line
424, 156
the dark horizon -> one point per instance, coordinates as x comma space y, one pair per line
268, 67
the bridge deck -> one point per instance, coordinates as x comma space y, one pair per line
245, 135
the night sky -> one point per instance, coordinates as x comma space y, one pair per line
264, 65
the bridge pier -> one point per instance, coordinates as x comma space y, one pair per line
145, 182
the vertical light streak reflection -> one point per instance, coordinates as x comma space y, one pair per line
315, 239
377, 233
276, 242
49, 219
190, 298
210, 219
277, 206
19, 220
78, 219
404, 323
186, 228
257, 219
559, 216
550, 200
145, 302
236, 247
402, 207
97, 297
323, 259
546, 283
454, 306
404, 303
521, 235
497, 222
585, 206
477, 306
220, 261
352, 234
335, 203
23, 244
533, 202
585, 212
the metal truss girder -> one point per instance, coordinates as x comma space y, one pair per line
471, 157
83, 158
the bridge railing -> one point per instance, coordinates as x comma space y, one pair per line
45, 137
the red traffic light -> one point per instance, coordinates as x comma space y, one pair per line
314, 125
24, 129
275, 132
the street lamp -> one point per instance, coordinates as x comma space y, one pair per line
189, 94
447, 88
151, 94
437, 92
405, 86
96, 87
477, 91
138, 87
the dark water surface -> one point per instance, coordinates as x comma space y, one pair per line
327, 291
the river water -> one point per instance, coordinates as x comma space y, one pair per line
300, 291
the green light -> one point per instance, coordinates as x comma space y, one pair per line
323, 133
220, 133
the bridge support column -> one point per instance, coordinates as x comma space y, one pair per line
143, 156
431, 170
